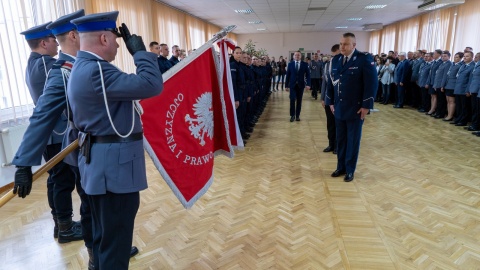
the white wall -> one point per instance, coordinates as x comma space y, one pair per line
278, 44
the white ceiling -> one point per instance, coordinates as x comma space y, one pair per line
292, 15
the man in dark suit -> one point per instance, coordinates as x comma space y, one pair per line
401, 78
297, 74
350, 94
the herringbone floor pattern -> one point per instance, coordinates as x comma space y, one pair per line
414, 204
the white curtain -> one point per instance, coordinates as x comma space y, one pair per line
16, 16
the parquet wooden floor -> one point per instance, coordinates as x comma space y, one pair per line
414, 204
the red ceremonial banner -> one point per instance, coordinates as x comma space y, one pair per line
233, 130
185, 126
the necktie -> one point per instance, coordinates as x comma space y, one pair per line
296, 66
346, 60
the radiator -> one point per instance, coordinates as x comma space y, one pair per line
10, 141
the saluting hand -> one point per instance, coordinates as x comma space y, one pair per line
133, 42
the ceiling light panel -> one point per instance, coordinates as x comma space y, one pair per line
375, 6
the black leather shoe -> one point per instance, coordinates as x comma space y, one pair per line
447, 120
338, 173
461, 124
292, 118
421, 110
334, 151
348, 177
438, 116
476, 133
133, 251
470, 128
328, 149
453, 123
297, 119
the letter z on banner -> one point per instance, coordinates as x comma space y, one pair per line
180, 134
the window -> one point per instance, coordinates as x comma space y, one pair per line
16, 104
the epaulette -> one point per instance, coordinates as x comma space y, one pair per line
62, 64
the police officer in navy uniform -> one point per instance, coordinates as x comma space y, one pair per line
163, 62
473, 89
350, 95
111, 159
239, 88
249, 80
439, 77
423, 74
331, 129
316, 70
461, 90
175, 54
45, 135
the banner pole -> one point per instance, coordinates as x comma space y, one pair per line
47, 166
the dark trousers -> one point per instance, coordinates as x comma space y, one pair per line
315, 87
349, 134
113, 220
426, 99
408, 93
400, 95
280, 77
248, 113
475, 110
386, 93
441, 102
241, 112
393, 93
268, 85
378, 95
60, 184
462, 109
332, 133
416, 96
85, 210
296, 103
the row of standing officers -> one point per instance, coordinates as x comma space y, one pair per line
251, 79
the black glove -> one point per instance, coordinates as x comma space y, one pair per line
23, 181
133, 42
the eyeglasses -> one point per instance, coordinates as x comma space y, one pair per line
114, 30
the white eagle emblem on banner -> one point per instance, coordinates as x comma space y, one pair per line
203, 123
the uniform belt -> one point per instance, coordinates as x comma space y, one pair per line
117, 139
